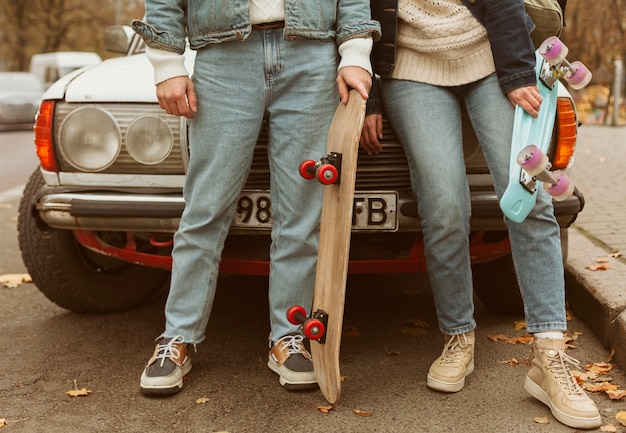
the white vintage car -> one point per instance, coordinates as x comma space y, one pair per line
97, 217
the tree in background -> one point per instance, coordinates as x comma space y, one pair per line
594, 33
41, 26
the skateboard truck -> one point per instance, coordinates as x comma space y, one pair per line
327, 170
314, 327
536, 166
554, 52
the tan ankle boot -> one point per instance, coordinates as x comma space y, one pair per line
550, 382
448, 372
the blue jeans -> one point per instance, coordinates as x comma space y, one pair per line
237, 83
427, 120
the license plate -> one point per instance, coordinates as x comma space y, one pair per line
372, 210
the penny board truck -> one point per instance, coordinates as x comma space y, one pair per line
531, 138
337, 171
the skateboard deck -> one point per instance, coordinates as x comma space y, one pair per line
517, 201
520, 195
334, 245
337, 171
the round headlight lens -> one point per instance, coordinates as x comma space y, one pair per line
149, 140
90, 139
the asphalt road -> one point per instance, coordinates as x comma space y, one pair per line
393, 338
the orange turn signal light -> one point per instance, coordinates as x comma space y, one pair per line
43, 136
566, 134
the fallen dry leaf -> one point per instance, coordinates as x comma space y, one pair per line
393, 353
603, 267
202, 400
11, 281
78, 392
541, 420
520, 324
326, 409
621, 417
524, 339
599, 367
362, 413
512, 362
617, 394
608, 428
602, 387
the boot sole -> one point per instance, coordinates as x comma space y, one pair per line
571, 421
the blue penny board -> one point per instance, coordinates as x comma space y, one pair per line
517, 202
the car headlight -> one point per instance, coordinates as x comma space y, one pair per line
90, 139
149, 140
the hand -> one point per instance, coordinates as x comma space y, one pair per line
177, 96
353, 77
371, 134
526, 97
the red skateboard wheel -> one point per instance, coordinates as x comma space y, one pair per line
327, 174
306, 169
313, 329
296, 315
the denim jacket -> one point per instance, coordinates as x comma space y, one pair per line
508, 28
212, 21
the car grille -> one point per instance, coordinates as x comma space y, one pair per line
387, 170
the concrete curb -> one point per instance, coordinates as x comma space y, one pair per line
598, 298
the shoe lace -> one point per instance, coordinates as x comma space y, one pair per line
559, 364
293, 343
168, 350
454, 348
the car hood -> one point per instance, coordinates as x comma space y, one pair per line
122, 79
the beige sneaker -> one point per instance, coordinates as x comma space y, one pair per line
550, 382
448, 372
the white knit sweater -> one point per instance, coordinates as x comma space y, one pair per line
440, 42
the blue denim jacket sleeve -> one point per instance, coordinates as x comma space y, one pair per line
508, 27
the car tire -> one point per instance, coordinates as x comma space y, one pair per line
74, 277
495, 282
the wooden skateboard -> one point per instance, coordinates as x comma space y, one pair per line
529, 164
336, 170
